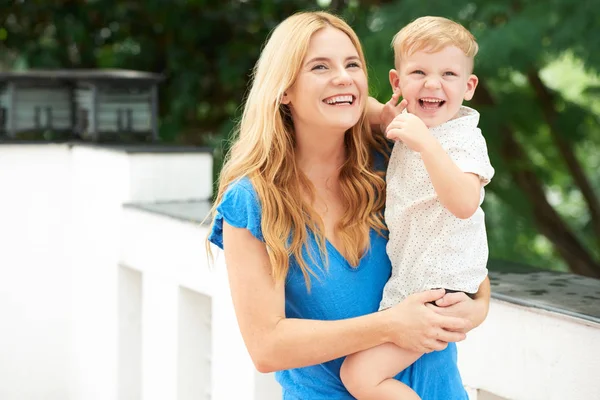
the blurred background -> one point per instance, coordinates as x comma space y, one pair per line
538, 93
104, 285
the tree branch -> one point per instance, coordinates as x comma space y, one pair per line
548, 102
546, 218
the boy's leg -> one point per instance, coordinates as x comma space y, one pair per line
369, 374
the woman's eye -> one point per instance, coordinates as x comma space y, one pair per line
318, 66
353, 65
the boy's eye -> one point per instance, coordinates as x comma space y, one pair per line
418, 72
449, 73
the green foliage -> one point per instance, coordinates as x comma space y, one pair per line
539, 93
520, 41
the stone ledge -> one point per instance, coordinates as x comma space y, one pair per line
568, 294
194, 211
564, 293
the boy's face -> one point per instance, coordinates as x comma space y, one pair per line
435, 84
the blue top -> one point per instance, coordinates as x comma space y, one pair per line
339, 292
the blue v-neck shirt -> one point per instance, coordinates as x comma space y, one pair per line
339, 292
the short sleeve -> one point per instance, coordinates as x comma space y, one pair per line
240, 208
468, 150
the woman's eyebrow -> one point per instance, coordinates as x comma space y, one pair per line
326, 59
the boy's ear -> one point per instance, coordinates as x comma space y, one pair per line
471, 85
394, 79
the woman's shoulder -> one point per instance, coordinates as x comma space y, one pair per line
240, 208
240, 192
243, 184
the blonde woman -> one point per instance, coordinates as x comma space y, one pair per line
299, 214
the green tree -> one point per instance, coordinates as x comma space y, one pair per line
542, 142
538, 91
204, 48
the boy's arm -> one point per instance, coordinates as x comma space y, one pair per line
458, 191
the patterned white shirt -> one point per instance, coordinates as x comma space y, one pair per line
428, 246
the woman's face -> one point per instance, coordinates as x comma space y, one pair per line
331, 89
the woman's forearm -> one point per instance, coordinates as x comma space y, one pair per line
298, 343
410, 324
374, 109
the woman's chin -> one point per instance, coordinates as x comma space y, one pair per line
348, 123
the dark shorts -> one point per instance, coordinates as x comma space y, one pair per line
471, 295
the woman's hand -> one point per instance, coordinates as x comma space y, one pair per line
462, 306
413, 326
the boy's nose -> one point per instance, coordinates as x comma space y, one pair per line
432, 83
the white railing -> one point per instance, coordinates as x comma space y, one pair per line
107, 292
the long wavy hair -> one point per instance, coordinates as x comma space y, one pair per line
264, 152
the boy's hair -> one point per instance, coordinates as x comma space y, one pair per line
432, 34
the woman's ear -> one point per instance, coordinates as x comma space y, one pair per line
285, 99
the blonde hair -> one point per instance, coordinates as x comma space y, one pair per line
264, 152
432, 34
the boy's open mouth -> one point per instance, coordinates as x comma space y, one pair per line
430, 103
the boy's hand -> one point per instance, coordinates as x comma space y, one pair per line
411, 130
391, 109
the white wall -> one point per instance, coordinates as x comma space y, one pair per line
129, 372
143, 248
70, 312
103, 180
100, 184
35, 272
104, 302
524, 353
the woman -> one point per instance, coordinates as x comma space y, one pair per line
299, 215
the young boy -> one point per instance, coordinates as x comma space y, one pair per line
435, 181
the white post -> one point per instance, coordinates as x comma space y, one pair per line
159, 348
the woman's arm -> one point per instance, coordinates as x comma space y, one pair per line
374, 110
460, 305
276, 342
380, 115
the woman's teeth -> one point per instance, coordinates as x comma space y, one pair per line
340, 100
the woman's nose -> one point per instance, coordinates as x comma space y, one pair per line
343, 78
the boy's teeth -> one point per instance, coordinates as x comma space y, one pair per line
431, 104
339, 99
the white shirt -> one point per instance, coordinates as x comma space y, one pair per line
428, 246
